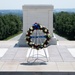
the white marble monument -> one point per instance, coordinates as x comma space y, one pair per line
42, 14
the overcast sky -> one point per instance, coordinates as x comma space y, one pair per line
17, 4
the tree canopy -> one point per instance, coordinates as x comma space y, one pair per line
64, 24
9, 25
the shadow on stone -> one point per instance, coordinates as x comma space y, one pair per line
16, 45
36, 63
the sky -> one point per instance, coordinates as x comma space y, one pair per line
17, 4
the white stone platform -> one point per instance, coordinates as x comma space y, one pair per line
15, 60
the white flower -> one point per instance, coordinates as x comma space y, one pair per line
30, 31
45, 34
49, 35
31, 43
26, 41
45, 45
45, 30
40, 26
31, 28
26, 33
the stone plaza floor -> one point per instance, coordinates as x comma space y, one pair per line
15, 60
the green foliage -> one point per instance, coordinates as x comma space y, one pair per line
64, 24
12, 36
9, 25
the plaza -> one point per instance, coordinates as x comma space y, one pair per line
59, 60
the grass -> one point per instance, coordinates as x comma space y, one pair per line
12, 36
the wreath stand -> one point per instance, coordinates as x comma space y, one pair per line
35, 58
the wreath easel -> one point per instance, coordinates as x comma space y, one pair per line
34, 45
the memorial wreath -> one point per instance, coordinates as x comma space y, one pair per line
29, 41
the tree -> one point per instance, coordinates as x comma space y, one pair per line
9, 25
64, 24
